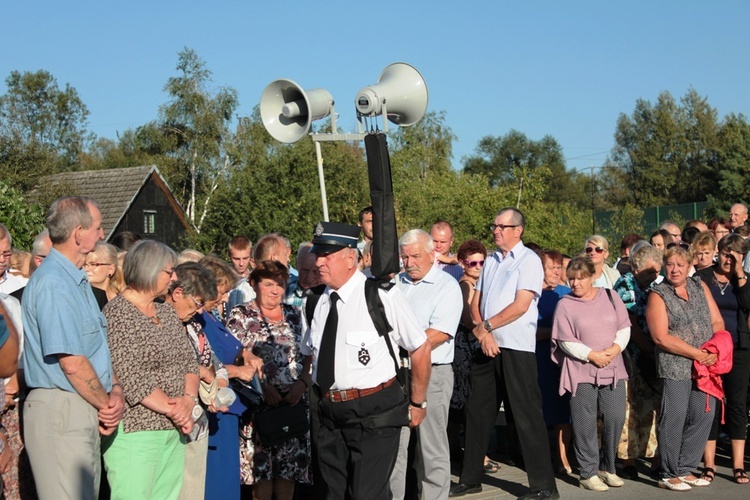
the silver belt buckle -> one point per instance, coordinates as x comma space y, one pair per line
343, 395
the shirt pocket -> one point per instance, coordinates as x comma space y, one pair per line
92, 326
363, 349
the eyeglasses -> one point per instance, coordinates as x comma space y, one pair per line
197, 304
681, 244
168, 271
474, 263
501, 227
96, 264
594, 249
6, 255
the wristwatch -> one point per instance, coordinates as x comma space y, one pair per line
422, 405
487, 325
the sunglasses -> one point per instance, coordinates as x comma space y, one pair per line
681, 244
501, 227
474, 263
592, 249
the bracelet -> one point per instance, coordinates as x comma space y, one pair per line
194, 398
743, 277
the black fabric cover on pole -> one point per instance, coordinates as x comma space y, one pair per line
385, 258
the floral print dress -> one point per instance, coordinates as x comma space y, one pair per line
278, 344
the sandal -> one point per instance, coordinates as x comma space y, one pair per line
740, 476
709, 474
491, 467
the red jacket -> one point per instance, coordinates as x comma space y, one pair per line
708, 378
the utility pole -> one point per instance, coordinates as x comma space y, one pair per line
593, 207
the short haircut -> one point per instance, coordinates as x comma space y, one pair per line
366, 210
144, 262
598, 240
442, 225
66, 214
40, 243
683, 252
270, 269
580, 266
124, 240
517, 217
719, 221
4, 233
470, 247
643, 255
189, 255
743, 230
668, 223
629, 240
266, 246
694, 223
551, 255
304, 249
283, 239
223, 272
689, 234
239, 243
706, 240
420, 236
195, 280
734, 243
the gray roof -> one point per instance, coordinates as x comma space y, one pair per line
113, 190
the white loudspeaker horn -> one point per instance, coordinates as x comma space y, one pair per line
288, 111
403, 91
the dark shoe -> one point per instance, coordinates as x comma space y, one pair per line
629, 472
708, 474
541, 495
462, 489
740, 476
491, 467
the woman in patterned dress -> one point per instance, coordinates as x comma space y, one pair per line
681, 316
272, 331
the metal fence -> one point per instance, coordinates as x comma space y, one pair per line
654, 216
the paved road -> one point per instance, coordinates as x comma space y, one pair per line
511, 482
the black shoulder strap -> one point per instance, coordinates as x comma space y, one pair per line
377, 312
611, 300
313, 296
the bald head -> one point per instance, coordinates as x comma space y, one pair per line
737, 215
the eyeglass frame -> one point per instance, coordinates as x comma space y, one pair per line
502, 227
597, 249
474, 263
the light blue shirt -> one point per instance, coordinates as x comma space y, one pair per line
501, 278
437, 303
61, 316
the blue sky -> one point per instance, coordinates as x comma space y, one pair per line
566, 69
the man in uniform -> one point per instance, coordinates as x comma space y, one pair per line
360, 401
74, 396
505, 305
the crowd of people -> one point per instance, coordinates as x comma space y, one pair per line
131, 371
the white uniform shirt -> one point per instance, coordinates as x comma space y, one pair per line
9, 283
501, 278
437, 302
356, 332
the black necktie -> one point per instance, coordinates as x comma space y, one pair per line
327, 360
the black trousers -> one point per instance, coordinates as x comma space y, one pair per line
735, 390
356, 462
511, 376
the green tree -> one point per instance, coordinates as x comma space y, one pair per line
42, 127
733, 166
193, 132
23, 219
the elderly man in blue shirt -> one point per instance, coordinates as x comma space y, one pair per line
436, 299
505, 310
74, 397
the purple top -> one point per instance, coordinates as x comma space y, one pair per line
593, 323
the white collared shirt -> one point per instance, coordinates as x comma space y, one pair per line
501, 278
362, 356
9, 283
437, 302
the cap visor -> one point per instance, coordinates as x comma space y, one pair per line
324, 249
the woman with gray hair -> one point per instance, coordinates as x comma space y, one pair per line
157, 368
639, 433
729, 287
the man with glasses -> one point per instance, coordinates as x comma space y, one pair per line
9, 283
66, 360
505, 305
673, 229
